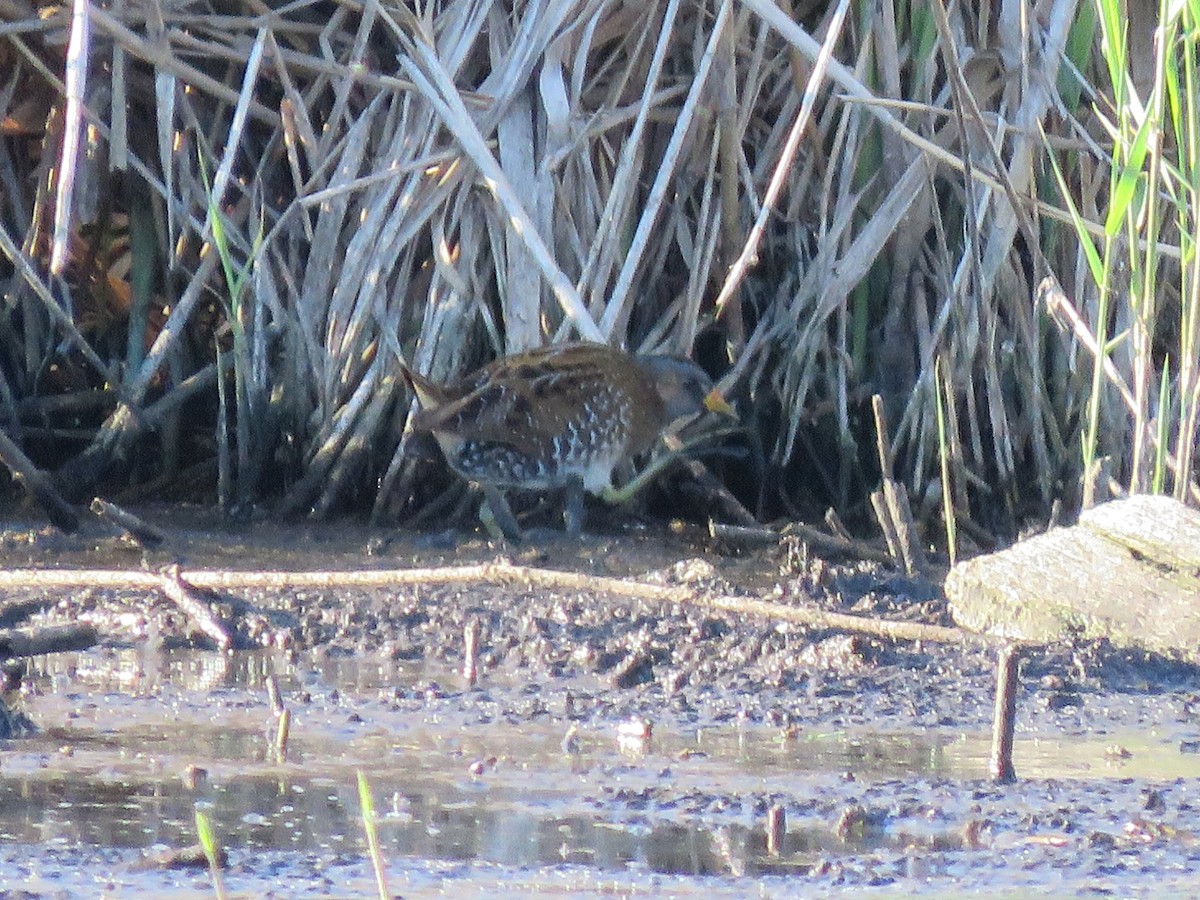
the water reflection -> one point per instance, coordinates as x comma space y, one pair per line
132, 746
134, 742
143, 669
268, 814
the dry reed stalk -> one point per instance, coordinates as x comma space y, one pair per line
403, 185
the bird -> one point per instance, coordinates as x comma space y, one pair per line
562, 416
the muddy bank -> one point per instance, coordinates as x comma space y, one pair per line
871, 752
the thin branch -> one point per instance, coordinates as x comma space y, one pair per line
500, 573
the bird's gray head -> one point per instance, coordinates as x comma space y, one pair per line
685, 388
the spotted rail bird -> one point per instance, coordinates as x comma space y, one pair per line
559, 417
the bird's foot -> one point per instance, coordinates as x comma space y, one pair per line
497, 516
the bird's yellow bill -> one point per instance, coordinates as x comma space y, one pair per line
716, 402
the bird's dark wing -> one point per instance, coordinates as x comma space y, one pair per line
525, 401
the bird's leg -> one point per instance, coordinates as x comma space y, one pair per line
573, 506
497, 516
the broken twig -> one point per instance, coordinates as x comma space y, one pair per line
185, 595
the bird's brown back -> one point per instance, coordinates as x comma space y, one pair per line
589, 391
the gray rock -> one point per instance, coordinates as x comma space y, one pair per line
1128, 571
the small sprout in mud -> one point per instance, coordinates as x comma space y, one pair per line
367, 804
634, 735
570, 741
212, 852
282, 733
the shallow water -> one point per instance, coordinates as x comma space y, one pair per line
876, 754
134, 745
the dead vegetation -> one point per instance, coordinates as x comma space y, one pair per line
262, 209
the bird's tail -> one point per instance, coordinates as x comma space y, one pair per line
428, 394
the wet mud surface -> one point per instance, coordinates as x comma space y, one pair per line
607, 746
